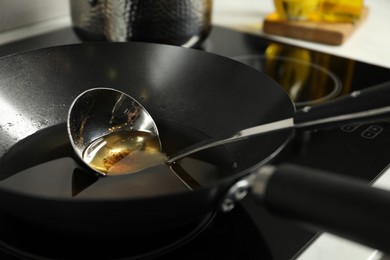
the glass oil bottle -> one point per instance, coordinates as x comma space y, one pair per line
341, 10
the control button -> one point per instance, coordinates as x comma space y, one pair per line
369, 135
349, 128
375, 129
372, 131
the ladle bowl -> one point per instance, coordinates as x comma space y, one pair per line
98, 112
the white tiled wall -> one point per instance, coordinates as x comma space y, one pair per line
16, 13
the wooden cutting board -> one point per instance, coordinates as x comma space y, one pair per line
321, 32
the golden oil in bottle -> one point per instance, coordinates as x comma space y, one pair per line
124, 152
297, 10
341, 10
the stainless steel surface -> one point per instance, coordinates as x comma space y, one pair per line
236, 193
100, 111
176, 22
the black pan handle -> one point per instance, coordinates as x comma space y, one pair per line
326, 202
371, 103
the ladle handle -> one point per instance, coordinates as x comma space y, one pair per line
362, 105
343, 206
358, 106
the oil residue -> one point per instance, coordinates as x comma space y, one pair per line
124, 152
45, 164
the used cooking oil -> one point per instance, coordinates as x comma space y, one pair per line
124, 152
50, 168
341, 10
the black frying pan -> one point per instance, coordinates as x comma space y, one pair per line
192, 95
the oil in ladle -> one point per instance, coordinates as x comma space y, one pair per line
124, 152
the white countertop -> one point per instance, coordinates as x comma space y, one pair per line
369, 43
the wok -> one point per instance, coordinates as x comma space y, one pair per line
192, 95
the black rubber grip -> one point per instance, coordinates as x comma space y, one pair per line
328, 202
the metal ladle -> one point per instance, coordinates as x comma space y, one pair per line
99, 112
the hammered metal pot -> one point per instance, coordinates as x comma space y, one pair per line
175, 22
